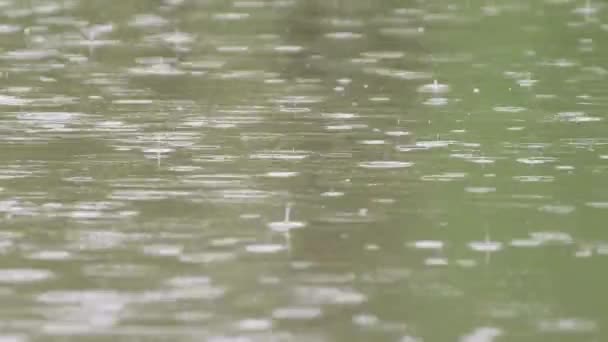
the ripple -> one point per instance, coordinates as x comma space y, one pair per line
288, 48
189, 281
13, 338
434, 143
29, 54
571, 325
117, 270
297, 313
436, 261
279, 155
207, 257
558, 209
445, 177
330, 295
485, 246
6, 29
161, 69
332, 194
254, 324
269, 248
147, 195
534, 179
397, 133
402, 31
483, 334
536, 160
148, 20
525, 243
576, 117
48, 117
427, 244
480, 190
24, 275
50, 255
552, 237
245, 194
7, 100
382, 164
436, 101
162, 250
597, 205
344, 35
436, 88
365, 320
509, 109
230, 16
284, 226
86, 296
281, 174
383, 54
397, 73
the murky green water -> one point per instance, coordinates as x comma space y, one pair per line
294, 170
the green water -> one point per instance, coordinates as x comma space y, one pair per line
294, 170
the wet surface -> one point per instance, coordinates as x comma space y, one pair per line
303, 170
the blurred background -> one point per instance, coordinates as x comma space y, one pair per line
303, 170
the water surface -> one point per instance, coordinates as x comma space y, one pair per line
303, 170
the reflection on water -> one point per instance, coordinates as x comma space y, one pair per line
303, 170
